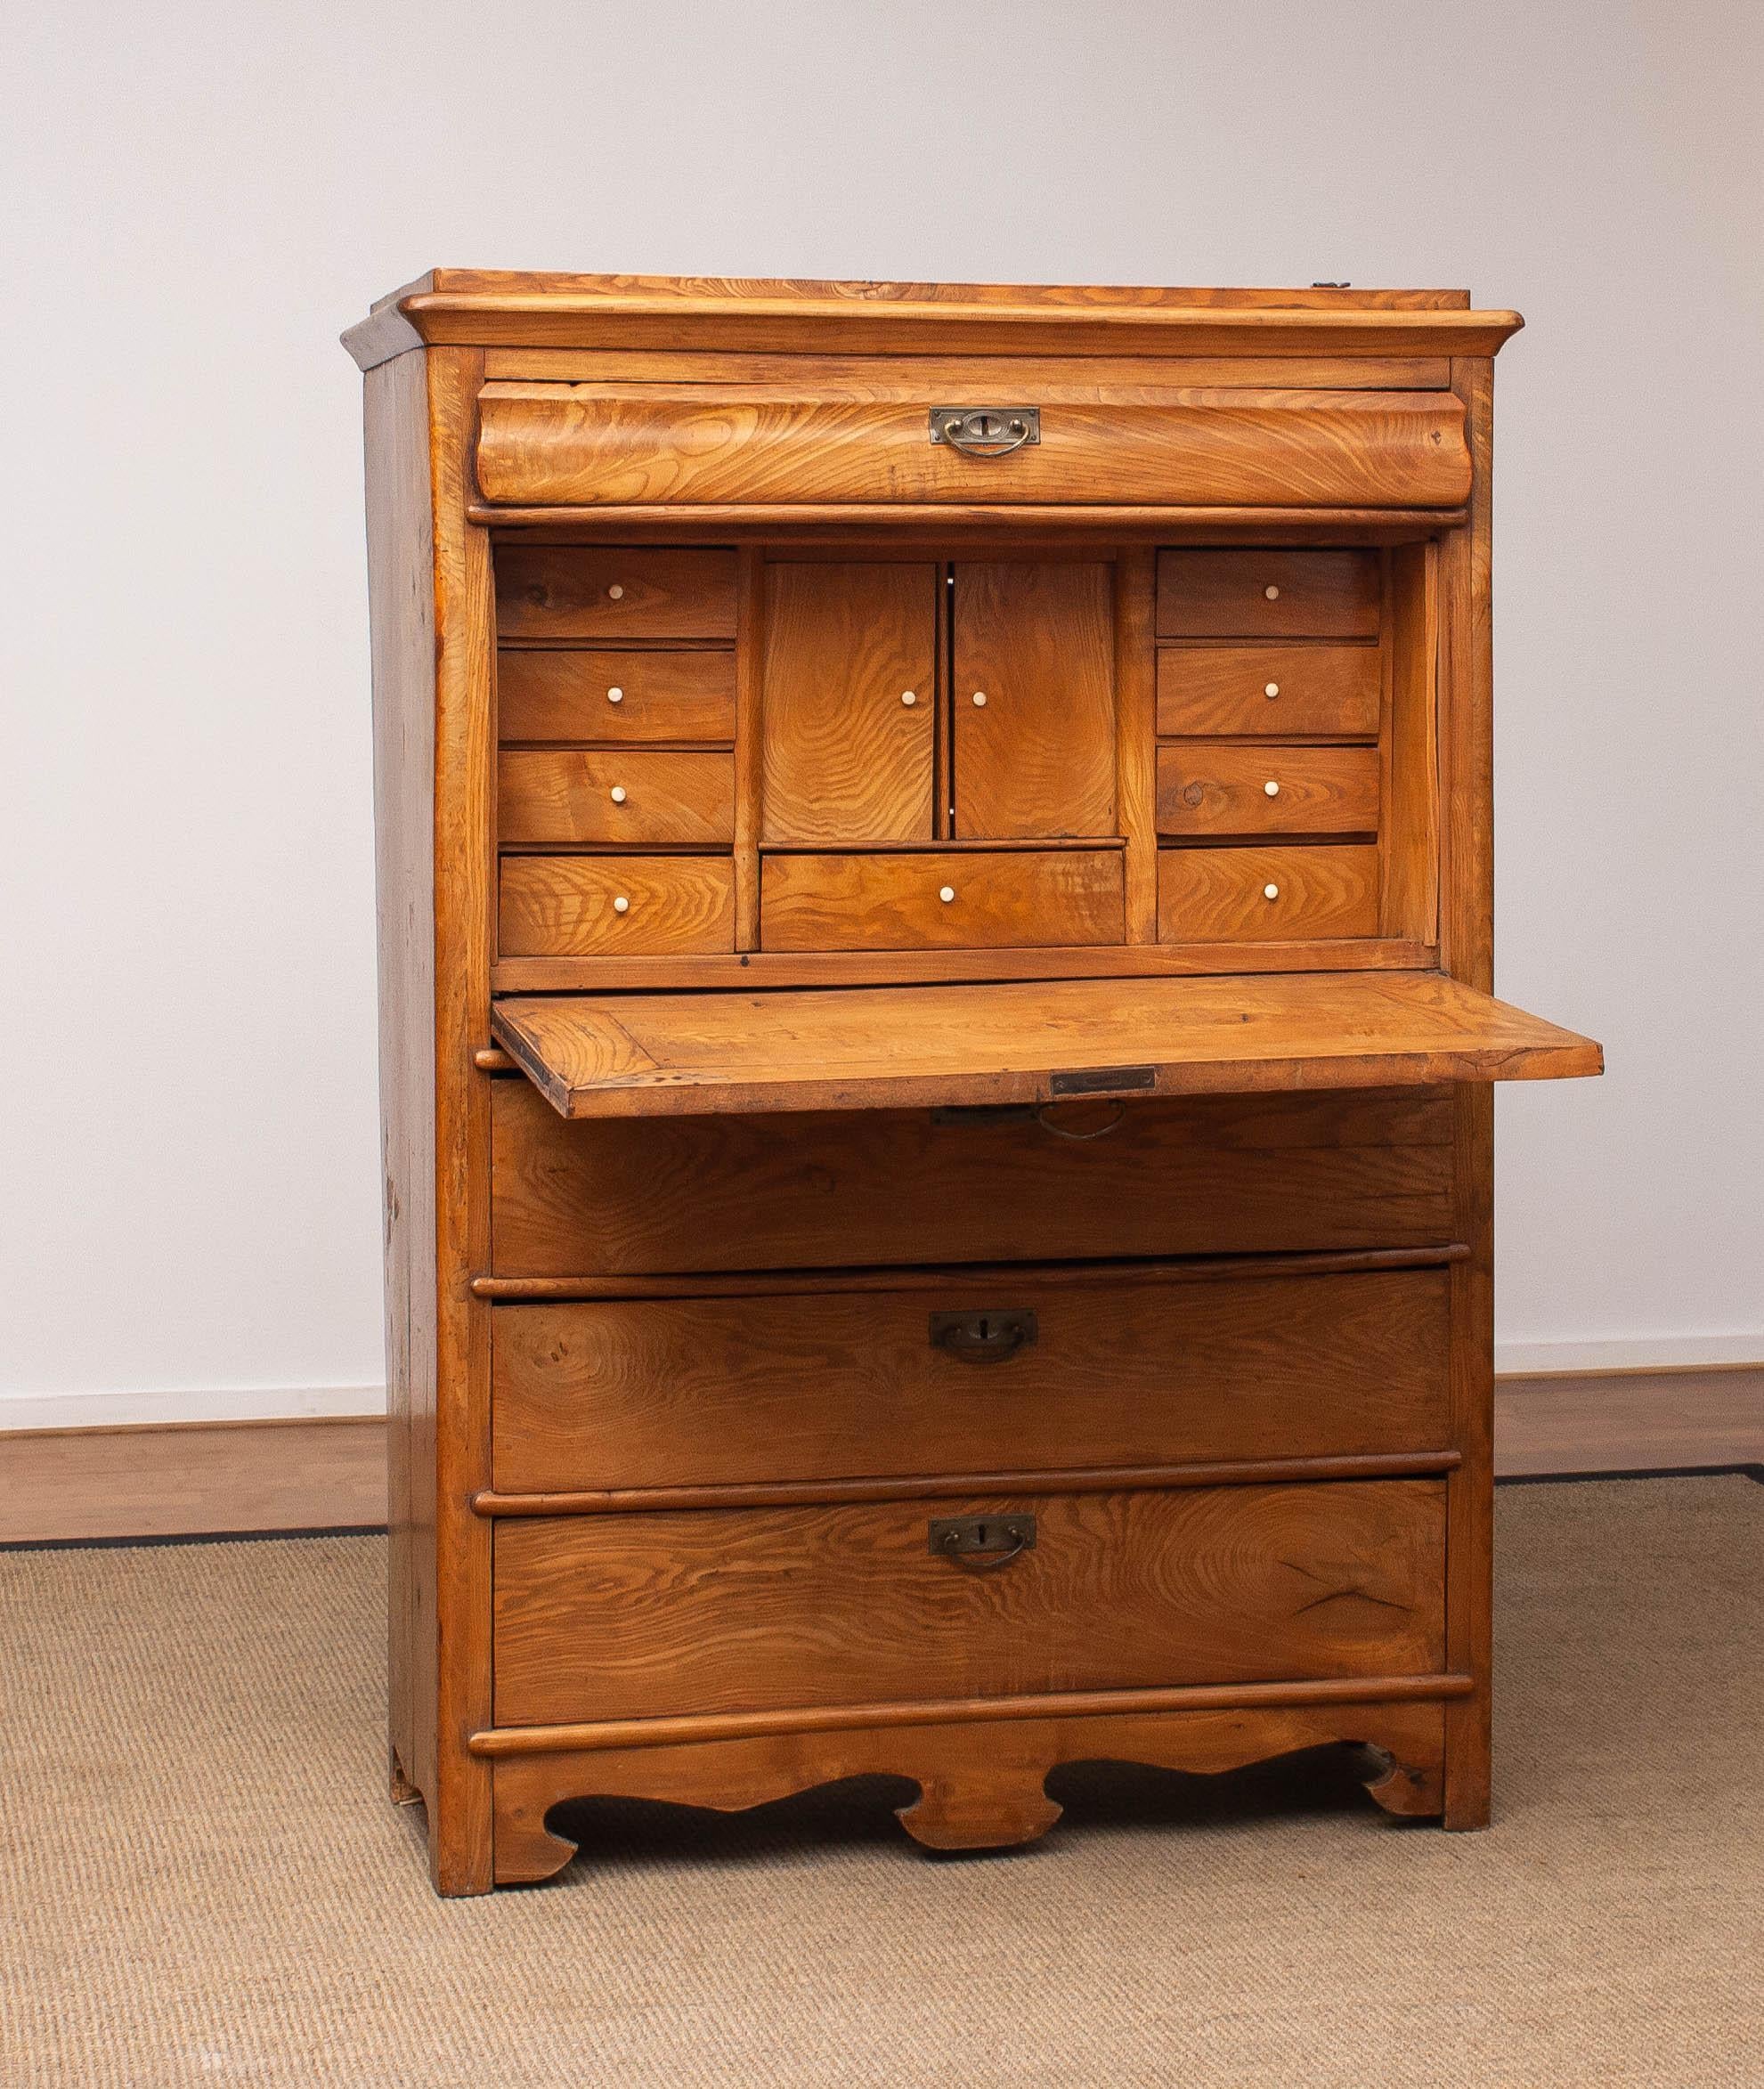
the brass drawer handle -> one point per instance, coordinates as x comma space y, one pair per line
982, 1544
984, 1337
986, 431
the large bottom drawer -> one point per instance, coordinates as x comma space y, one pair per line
1019, 1372
704, 1611
1214, 1175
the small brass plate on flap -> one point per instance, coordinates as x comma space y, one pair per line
1104, 1080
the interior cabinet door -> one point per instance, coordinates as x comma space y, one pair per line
1034, 699
849, 710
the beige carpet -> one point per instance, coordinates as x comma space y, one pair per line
201, 1882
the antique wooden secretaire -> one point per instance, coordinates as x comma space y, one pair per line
935, 950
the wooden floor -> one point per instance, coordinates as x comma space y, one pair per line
177, 1480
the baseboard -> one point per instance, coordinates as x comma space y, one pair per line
1638, 1353
266, 1403
251, 1475
206, 1404
187, 1479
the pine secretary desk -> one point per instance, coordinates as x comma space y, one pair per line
935, 951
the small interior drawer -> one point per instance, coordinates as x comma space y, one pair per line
1024, 1370
1223, 787
598, 591
1267, 895
1277, 689
1268, 593
624, 795
942, 899
632, 1616
589, 693
568, 905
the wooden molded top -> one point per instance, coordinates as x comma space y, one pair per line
493, 308
1029, 1042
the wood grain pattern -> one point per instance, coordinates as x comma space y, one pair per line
595, 694
726, 1193
970, 1797
561, 794
1007, 898
979, 525
1214, 787
856, 968
1226, 594
656, 1393
683, 295
1135, 753
568, 591
845, 758
568, 904
1221, 895
1317, 689
905, 1047
1042, 377
1409, 747
1036, 640
633, 445
733, 1611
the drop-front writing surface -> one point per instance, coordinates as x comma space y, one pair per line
977, 799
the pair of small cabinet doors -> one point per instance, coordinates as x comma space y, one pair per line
932, 701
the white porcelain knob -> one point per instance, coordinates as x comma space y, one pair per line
909, 697
946, 894
618, 793
1271, 891
615, 592
980, 699
622, 906
1271, 689
1272, 788
615, 695
1273, 593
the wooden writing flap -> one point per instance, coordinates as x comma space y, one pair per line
1025, 1042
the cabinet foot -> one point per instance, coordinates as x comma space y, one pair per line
1406, 1789
981, 1811
981, 1783
400, 1790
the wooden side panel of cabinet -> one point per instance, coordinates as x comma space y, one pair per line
849, 701
1467, 940
401, 593
1034, 700
435, 748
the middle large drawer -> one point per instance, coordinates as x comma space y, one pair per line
1012, 1373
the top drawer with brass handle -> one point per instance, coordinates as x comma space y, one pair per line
775, 443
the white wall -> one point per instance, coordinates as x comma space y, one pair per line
200, 195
